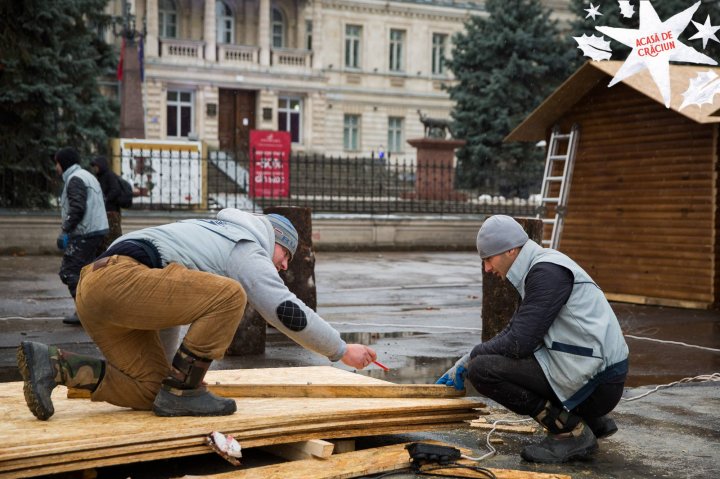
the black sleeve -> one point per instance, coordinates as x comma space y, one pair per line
77, 202
112, 189
547, 289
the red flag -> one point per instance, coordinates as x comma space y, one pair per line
120, 61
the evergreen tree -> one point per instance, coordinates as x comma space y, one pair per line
51, 58
611, 17
505, 65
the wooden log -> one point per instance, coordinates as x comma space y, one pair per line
299, 278
500, 298
300, 275
320, 391
296, 451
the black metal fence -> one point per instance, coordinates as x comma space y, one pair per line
175, 181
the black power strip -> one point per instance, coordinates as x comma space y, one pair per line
423, 453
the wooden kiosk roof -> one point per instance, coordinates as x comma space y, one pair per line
535, 126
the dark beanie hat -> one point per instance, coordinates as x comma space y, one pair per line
67, 157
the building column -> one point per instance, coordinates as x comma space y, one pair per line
317, 32
264, 33
210, 31
152, 48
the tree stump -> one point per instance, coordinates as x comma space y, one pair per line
299, 278
500, 298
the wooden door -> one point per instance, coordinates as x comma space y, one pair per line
237, 118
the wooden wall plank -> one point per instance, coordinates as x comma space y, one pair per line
641, 212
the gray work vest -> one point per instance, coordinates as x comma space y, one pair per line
584, 346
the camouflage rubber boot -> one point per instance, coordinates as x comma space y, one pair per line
44, 367
183, 394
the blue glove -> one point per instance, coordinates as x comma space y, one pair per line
62, 241
456, 375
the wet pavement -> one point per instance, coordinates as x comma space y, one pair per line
420, 311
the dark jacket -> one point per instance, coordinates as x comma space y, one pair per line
109, 183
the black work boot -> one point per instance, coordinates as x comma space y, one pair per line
602, 426
44, 367
183, 394
579, 443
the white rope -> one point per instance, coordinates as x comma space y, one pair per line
702, 378
492, 449
677, 343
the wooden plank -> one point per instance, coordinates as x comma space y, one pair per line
672, 303
71, 449
518, 428
86, 434
117, 457
320, 391
296, 451
343, 445
358, 464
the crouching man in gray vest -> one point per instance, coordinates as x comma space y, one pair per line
562, 359
199, 273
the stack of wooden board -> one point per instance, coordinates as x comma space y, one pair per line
84, 434
370, 461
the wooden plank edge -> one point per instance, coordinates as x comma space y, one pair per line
239, 428
653, 301
435, 391
270, 435
172, 452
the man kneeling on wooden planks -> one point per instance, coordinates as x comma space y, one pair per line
562, 359
196, 272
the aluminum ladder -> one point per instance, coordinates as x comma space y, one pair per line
556, 182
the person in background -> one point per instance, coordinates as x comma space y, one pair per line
111, 194
561, 360
198, 272
84, 223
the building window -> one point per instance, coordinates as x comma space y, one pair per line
277, 28
167, 16
351, 132
290, 117
439, 41
180, 113
395, 134
225, 23
308, 34
397, 45
353, 34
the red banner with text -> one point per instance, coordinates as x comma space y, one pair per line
269, 164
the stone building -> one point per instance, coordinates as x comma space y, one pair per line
344, 77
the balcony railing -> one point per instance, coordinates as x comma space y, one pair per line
291, 58
183, 51
244, 55
176, 50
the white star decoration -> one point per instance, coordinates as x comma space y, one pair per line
593, 11
706, 32
626, 9
654, 45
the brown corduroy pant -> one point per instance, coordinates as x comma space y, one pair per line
123, 304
